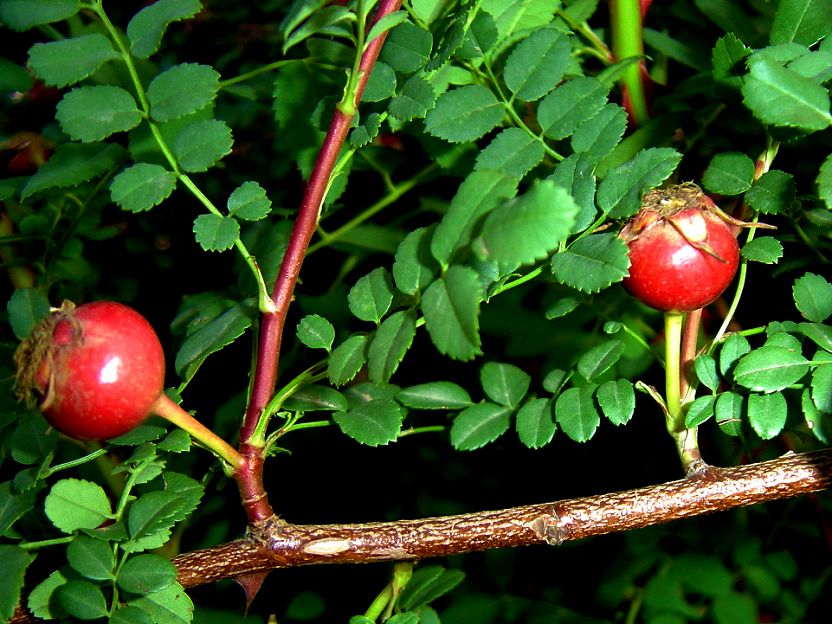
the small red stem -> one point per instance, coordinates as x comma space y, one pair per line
690, 336
250, 479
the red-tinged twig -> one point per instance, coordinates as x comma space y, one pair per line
272, 325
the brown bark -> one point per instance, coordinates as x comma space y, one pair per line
278, 544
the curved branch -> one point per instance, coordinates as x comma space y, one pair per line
277, 544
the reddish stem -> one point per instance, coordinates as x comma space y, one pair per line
272, 325
690, 336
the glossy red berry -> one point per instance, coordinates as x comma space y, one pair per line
683, 251
97, 369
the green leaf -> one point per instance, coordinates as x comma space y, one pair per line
347, 359
427, 584
620, 192
773, 193
82, 600
770, 369
92, 558
199, 145
407, 47
215, 232
617, 400
167, 606
150, 519
188, 491
74, 504
570, 105
451, 307
13, 505
599, 135
767, 414
13, 77
13, 562
822, 388
434, 395
813, 297
576, 175
316, 332
146, 28
248, 201
728, 60
780, 97
513, 151
700, 411
705, 366
333, 21
24, 14
415, 100
42, 601
478, 194
73, 164
26, 308
366, 132
801, 21
65, 62
528, 228
824, 181
765, 249
90, 114
734, 347
381, 84
464, 114
592, 263
600, 358
370, 298
535, 426
375, 423
729, 173
728, 412
390, 343
220, 331
820, 334
478, 425
505, 384
142, 186
536, 64
181, 90
576, 413
516, 16
143, 574
383, 25
414, 267
128, 614
315, 397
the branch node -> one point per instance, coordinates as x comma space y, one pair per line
548, 528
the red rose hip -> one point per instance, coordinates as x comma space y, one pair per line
683, 252
97, 369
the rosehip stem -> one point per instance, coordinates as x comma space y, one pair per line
687, 444
170, 411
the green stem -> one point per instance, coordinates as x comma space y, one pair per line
173, 413
687, 444
264, 69
327, 238
265, 304
627, 42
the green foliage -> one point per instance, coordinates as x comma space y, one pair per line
462, 291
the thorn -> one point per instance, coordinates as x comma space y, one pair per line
251, 584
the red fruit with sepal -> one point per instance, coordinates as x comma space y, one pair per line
683, 250
97, 369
